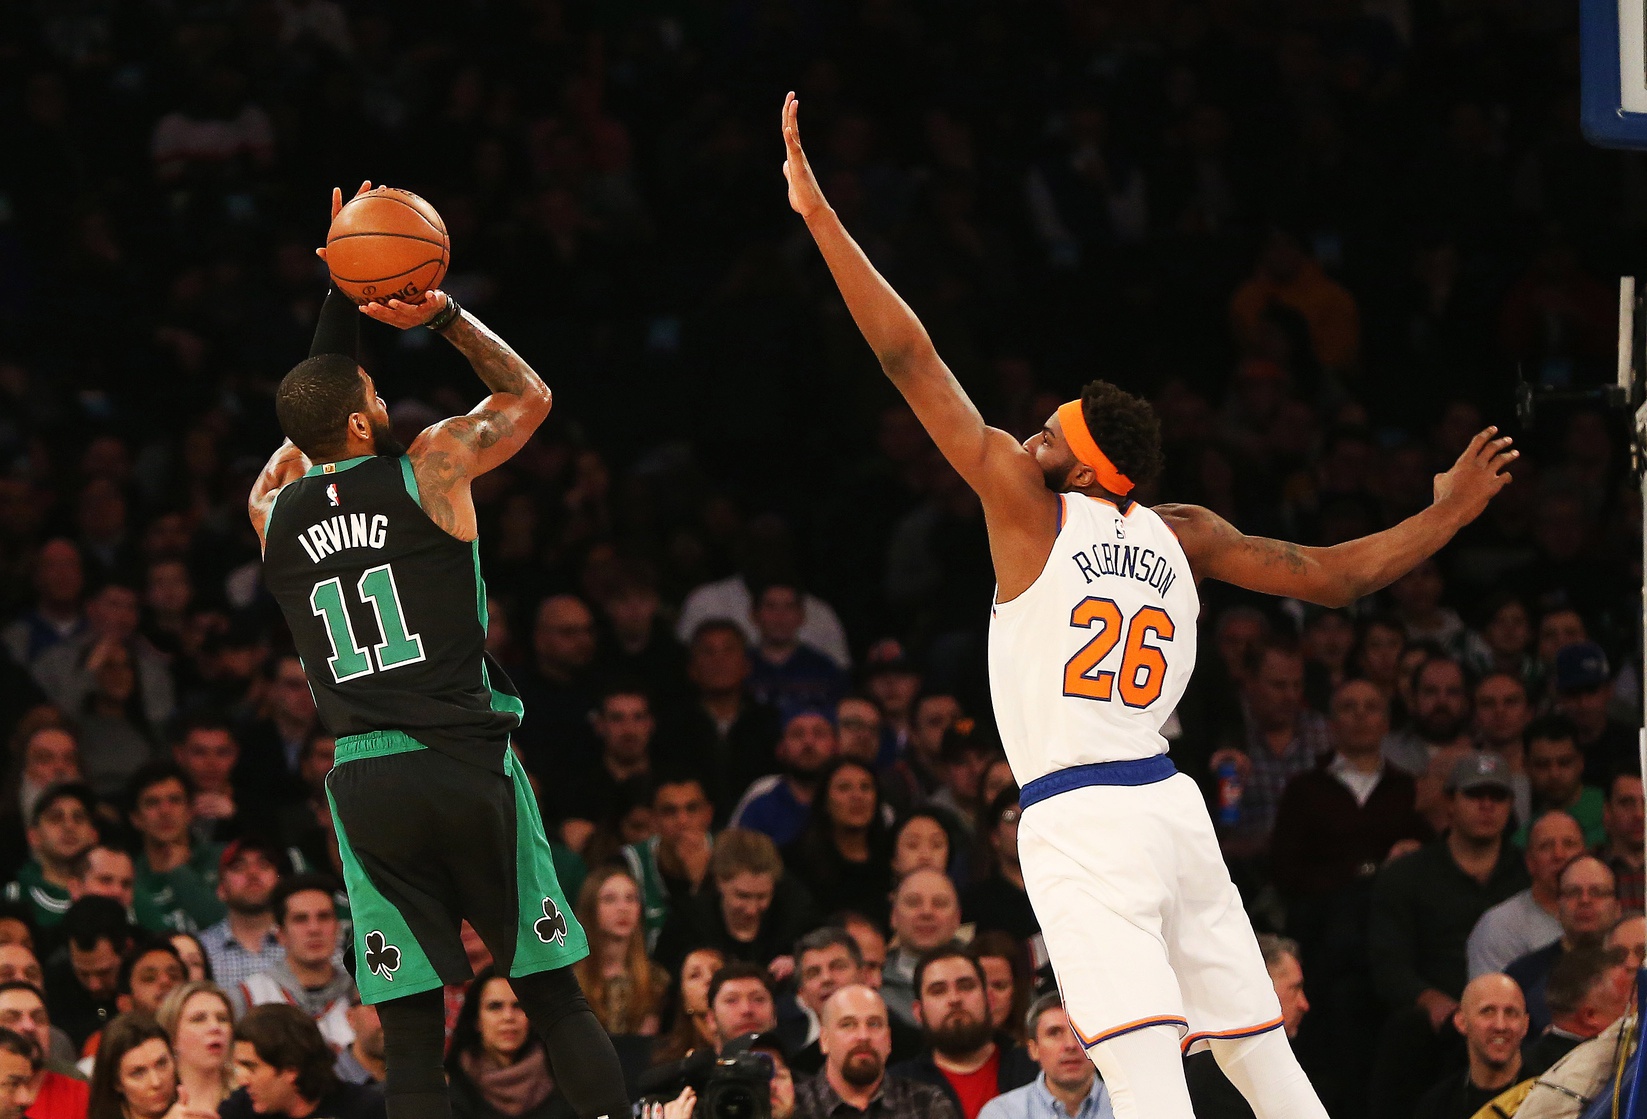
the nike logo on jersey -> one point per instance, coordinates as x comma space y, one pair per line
346, 530
1129, 562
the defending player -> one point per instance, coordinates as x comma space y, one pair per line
1092, 640
371, 551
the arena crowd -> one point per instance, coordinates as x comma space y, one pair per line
743, 598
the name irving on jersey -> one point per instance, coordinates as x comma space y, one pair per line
346, 530
1129, 561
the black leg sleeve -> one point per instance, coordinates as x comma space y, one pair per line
581, 1056
413, 1040
338, 328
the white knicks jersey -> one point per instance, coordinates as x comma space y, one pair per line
1086, 664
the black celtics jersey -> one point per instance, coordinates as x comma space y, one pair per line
388, 611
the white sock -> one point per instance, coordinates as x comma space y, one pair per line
1265, 1070
1144, 1072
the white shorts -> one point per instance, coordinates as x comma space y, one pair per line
1141, 920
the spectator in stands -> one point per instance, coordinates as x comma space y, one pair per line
1440, 717
61, 1092
589, 794
624, 988
20, 1063
967, 1059
926, 915
557, 687
496, 1066
245, 941
80, 991
826, 959
271, 1044
1006, 980
305, 912
694, 1026
56, 616
1423, 907
643, 648
1068, 1084
917, 775
1555, 770
845, 853
1624, 821
1280, 739
1630, 934
893, 683
741, 1001
1588, 909
856, 1041
999, 900
966, 753
1504, 640
207, 753
175, 874
271, 746
1492, 1017
136, 1077
199, 1021
859, 726
60, 831
728, 734
921, 842
1589, 989
106, 872
1501, 717
673, 865
1582, 690
786, 672
778, 805
754, 913
871, 945
149, 971
48, 755
1527, 921
363, 1060
1211, 1092
189, 949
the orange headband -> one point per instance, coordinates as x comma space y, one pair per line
1086, 449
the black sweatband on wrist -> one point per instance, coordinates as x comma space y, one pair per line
446, 316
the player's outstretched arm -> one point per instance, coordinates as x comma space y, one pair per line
991, 460
1339, 575
285, 465
447, 455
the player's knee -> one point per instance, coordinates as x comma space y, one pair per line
548, 996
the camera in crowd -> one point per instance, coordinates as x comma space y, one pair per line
734, 1085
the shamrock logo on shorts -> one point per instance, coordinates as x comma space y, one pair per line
382, 958
552, 926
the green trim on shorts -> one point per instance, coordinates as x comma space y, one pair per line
549, 936
375, 744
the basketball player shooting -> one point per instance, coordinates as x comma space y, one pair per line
370, 549
1091, 643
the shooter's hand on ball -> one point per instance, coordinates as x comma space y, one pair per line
1475, 479
407, 315
337, 204
804, 194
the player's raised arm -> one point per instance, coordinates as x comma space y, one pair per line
1342, 573
992, 461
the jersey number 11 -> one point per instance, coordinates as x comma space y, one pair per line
349, 660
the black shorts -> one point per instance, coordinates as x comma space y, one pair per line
428, 841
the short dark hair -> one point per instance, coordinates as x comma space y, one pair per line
152, 774
143, 947
1126, 429
1576, 973
623, 686
202, 720
94, 918
287, 1038
1550, 728
828, 937
737, 969
314, 402
944, 952
66, 790
298, 884
23, 1045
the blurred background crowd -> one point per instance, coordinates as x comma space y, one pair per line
742, 596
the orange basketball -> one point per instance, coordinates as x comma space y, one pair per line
387, 244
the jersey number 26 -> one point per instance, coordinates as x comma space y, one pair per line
1143, 668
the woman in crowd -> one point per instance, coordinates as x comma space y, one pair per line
844, 855
497, 1066
136, 1077
200, 1022
920, 842
1007, 981
197, 967
625, 989
693, 1027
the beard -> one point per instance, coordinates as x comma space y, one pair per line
803, 775
1057, 477
862, 1067
957, 1036
1441, 726
384, 443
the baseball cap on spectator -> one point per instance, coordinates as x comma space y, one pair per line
1483, 769
1581, 667
967, 737
68, 790
887, 656
261, 845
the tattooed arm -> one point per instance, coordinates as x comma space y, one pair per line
285, 465
448, 455
1339, 575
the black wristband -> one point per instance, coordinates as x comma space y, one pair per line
445, 317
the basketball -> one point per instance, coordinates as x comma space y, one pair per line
387, 244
